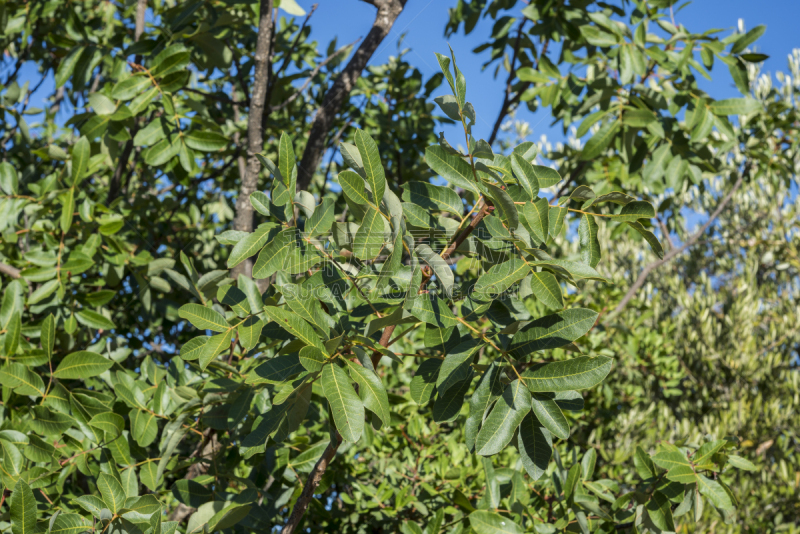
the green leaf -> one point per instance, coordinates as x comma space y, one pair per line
535, 446
50, 423
371, 390
575, 374
547, 177
303, 303
191, 493
194, 348
735, 106
443, 272
433, 197
264, 426
203, 318
109, 422
553, 331
369, 239
507, 414
451, 167
81, 152
590, 245
649, 236
444, 64
501, 277
228, 517
322, 219
249, 332
144, 427
702, 458
22, 507
375, 175
392, 265
747, 39
170, 59
550, 416
67, 66
536, 218
24, 380
251, 244
456, 365
162, 152
275, 370
644, 464
573, 476
82, 365
489, 388
598, 143
353, 186
70, 524
526, 175
272, 257
741, 463
486, 522
39, 451
67, 208
130, 87
214, 346
679, 468
417, 215
11, 338
505, 205
546, 288
588, 463
660, 511
205, 141
111, 491
294, 325
9, 180
347, 408
715, 492
424, 380
312, 358
93, 319
430, 309
448, 404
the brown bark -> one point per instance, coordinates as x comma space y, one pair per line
311, 484
388, 11
8, 270
243, 220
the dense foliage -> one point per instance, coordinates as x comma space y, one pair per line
418, 334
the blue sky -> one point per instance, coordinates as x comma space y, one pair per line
422, 24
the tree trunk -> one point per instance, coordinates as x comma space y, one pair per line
255, 131
388, 11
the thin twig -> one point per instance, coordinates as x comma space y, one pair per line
311, 77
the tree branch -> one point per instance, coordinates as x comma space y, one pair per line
8, 270
243, 220
292, 48
483, 211
310, 78
311, 484
388, 11
637, 285
512, 73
